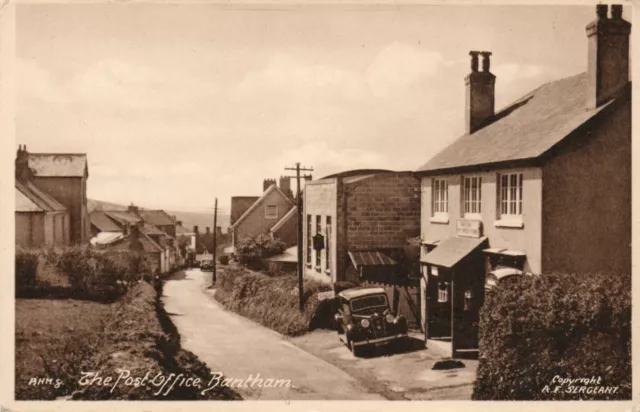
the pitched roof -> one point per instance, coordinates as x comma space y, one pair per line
123, 217
150, 229
181, 230
370, 258
524, 130
124, 243
452, 250
31, 199
103, 222
257, 203
284, 219
156, 217
239, 205
106, 238
58, 164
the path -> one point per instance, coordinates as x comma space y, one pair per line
242, 349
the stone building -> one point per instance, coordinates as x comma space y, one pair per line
62, 177
542, 186
364, 219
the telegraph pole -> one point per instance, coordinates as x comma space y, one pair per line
297, 169
215, 231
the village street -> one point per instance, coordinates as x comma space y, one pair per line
317, 364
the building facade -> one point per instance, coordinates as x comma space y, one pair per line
356, 213
543, 186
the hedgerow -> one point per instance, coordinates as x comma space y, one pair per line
537, 330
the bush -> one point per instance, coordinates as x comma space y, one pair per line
224, 260
250, 252
271, 301
100, 275
26, 269
538, 328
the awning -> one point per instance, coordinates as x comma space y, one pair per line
371, 258
452, 250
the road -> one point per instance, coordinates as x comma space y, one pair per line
246, 352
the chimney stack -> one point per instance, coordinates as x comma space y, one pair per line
133, 209
480, 91
608, 56
267, 183
23, 172
208, 230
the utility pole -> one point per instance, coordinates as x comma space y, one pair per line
297, 168
215, 244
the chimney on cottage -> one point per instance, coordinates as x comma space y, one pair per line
267, 183
608, 56
218, 231
179, 222
480, 92
23, 172
285, 183
208, 230
132, 208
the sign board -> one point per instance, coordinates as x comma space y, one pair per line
469, 228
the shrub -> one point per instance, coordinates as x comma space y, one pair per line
271, 301
250, 252
26, 269
537, 328
224, 260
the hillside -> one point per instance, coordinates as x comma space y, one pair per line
189, 219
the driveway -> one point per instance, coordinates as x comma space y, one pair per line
247, 352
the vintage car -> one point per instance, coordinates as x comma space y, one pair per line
364, 319
206, 265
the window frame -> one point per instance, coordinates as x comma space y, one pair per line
510, 195
318, 252
327, 230
439, 200
474, 201
309, 240
266, 212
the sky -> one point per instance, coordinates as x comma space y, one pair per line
178, 104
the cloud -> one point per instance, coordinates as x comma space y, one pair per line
399, 66
284, 74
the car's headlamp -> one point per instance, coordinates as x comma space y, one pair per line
365, 323
390, 318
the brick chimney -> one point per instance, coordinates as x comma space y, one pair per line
480, 90
218, 231
132, 209
208, 230
608, 56
285, 184
267, 183
23, 172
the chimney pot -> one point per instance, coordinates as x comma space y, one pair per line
601, 11
616, 11
474, 60
486, 62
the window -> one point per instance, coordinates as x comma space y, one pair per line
440, 196
510, 195
472, 195
443, 292
271, 211
318, 252
327, 248
309, 240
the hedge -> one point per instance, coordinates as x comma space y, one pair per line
272, 301
536, 330
250, 252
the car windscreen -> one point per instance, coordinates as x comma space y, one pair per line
366, 302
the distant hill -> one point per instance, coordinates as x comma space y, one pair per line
189, 219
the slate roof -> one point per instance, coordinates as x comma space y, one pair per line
239, 205
58, 164
31, 199
524, 130
103, 222
181, 230
106, 238
452, 250
156, 217
258, 202
122, 216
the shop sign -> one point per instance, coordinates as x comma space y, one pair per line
469, 228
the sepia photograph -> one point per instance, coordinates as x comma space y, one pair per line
346, 202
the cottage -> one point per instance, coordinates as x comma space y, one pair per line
542, 186
263, 214
62, 176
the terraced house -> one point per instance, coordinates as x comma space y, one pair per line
542, 186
